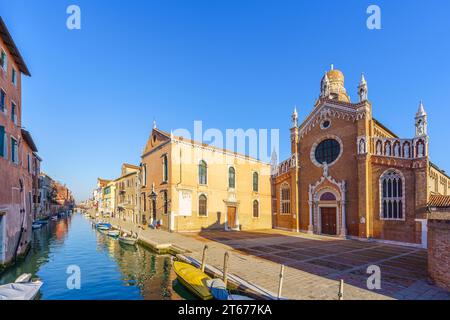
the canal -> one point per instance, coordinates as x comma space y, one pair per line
108, 269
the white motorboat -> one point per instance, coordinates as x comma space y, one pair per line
126, 239
23, 289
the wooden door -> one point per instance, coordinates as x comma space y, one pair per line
328, 221
231, 221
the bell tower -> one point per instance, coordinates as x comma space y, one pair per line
363, 90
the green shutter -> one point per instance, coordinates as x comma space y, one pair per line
2, 141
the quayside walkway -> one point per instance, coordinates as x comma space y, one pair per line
314, 264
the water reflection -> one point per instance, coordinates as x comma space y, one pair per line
109, 269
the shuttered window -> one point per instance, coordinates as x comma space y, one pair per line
14, 151
2, 142
2, 100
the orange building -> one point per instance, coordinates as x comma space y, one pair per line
350, 176
17, 155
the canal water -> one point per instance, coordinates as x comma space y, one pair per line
109, 270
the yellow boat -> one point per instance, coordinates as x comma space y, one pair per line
193, 279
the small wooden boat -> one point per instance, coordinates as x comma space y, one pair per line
22, 289
125, 239
114, 233
193, 279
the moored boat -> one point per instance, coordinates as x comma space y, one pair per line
193, 279
114, 233
125, 239
22, 289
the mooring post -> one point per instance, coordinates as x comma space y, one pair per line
225, 268
280, 284
341, 290
204, 258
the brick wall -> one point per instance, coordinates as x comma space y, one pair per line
439, 251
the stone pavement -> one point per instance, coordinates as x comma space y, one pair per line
314, 264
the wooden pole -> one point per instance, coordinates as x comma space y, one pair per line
280, 284
341, 290
225, 268
204, 258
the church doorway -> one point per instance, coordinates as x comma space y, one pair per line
328, 220
231, 218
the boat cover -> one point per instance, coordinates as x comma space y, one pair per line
20, 291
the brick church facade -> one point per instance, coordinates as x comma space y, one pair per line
352, 177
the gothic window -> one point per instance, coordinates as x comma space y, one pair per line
255, 209
392, 196
165, 168
203, 173
231, 178
202, 206
255, 182
327, 151
285, 199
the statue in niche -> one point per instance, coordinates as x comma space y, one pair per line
379, 148
362, 146
420, 150
325, 169
406, 150
397, 150
388, 150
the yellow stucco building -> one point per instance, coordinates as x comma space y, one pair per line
189, 186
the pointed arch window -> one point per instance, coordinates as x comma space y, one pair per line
285, 199
202, 206
392, 196
255, 209
203, 173
231, 178
255, 182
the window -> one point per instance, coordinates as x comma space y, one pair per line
231, 178
13, 113
255, 209
202, 173
2, 142
327, 151
165, 202
285, 199
2, 100
202, 206
28, 163
14, 76
14, 151
3, 60
255, 182
144, 175
392, 196
165, 169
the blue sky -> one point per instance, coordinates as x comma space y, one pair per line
94, 93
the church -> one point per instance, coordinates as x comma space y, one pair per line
350, 176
